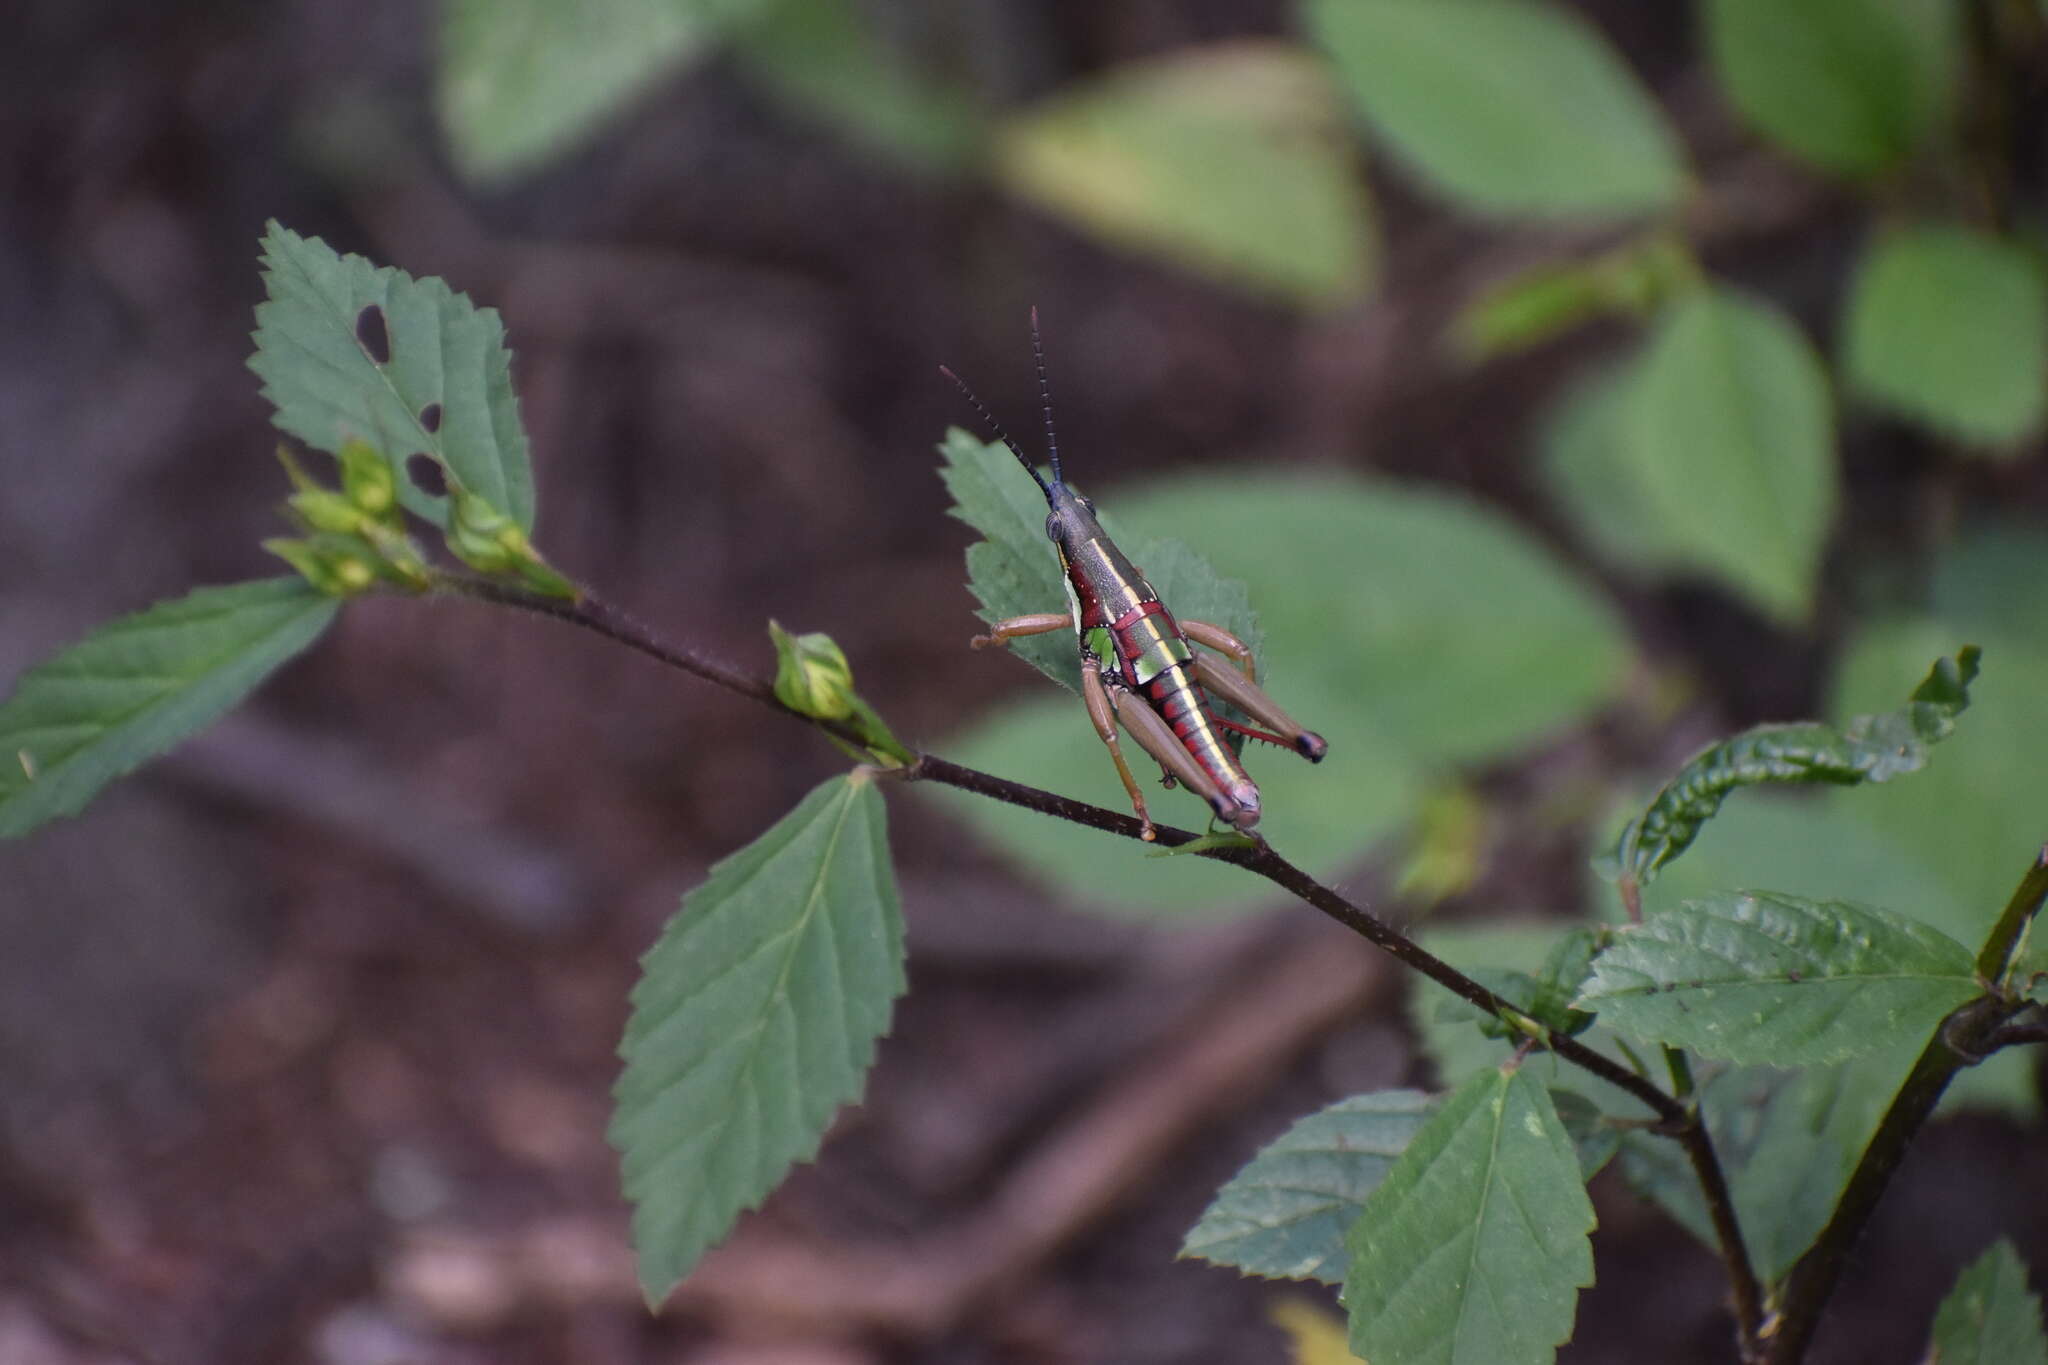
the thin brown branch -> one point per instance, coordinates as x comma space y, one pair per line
1677, 1120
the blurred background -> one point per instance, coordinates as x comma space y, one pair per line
1571, 384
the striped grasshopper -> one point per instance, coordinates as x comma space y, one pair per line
1139, 665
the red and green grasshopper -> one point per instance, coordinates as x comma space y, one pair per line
1139, 666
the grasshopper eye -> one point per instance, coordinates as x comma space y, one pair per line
1087, 505
1052, 526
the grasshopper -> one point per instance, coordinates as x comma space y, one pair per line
1139, 666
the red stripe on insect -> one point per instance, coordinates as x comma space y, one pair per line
1137, 614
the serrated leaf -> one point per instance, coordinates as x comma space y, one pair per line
1852, 85
755, 1018
1509, 107
1473, 1248
1285, 1214
1871, 748
1823, 845
1761, 977
140, 685
1787, 1140
1227, 159
523, 81
1949, 327
1730, 431
346, 349
1990, 1318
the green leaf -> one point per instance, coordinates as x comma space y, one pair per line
1871, 748
1594, 1138
1285, 1214
1853, 86
1228, 160
347, 350
1592, 471
1427, 615
1822, 845
1459, 1038
824, 58
1510, 107
1565, 969
1475, 1245
1949, 327
1731, 441
1763, 977
755, 1018
523, 81
1787, 1140
139, 685
1990, 1318
1548, 300
1405, 626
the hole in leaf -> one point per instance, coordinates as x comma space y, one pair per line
430, 417
372, 335
426, 474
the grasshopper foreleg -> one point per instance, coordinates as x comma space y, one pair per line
1250, 698
1037, 623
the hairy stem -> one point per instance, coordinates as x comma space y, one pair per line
1677, 1120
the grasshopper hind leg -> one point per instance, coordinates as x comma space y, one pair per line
1248, 697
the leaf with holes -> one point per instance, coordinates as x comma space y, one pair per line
1989, 1318
1284, 1215
1476, 1244
755, 1018
1760, 977
347, 349
138, 686
1870, 748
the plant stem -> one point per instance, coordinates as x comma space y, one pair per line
1996, 958
1677, 1120
1968, 1035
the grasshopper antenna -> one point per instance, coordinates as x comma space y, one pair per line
1004, 436
1052, 443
